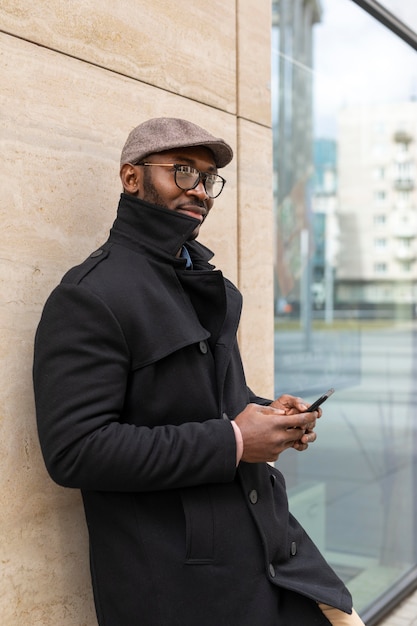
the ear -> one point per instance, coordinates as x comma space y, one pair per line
129, 175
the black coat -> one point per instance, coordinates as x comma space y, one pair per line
137, 374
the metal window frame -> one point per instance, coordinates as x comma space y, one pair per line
389, 20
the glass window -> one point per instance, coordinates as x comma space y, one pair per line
380, 268
379, 173
345, 152
379, 196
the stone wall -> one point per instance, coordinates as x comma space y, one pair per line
75, 78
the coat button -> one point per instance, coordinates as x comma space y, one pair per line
253, 496
203, 347
272, 570
293, 548
96, 253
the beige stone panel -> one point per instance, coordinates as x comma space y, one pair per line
188, 48
220, 231
256, 254
254, 24
64, 123
62, 126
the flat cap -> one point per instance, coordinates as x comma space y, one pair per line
166, 133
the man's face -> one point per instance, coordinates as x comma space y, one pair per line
157, 184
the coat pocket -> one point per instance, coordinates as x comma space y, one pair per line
199, 525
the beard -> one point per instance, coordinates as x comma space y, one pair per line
151, 195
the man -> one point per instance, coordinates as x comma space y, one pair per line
142, 404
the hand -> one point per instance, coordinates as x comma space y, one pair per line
269, 430
292, 405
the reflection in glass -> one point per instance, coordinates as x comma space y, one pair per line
345, 159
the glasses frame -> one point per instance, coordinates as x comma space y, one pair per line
202, 176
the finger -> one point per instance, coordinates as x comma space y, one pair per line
298, 438
306, 421
300, 447
318, 413
310, 425
308, 437
292, 402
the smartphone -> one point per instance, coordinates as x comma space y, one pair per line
319, 401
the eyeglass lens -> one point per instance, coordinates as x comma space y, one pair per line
187, 177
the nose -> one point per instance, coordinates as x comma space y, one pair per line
199, 191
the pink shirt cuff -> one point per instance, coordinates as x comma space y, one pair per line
239, 442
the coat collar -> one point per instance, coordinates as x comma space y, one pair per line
156, 231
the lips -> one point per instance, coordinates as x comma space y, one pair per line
194, 211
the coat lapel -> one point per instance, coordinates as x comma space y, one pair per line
217, 304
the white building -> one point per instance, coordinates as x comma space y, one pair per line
377, 202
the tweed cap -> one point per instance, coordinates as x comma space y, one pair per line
165, 133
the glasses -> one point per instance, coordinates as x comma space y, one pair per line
187, 177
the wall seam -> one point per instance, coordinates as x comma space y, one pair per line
115, 72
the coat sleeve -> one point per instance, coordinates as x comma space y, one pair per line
80, 372
258, 399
